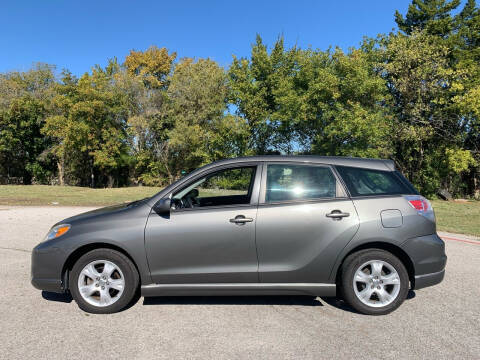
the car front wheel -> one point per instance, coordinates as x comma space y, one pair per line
374, 282
103, 281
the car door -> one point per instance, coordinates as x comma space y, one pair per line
304, 219
209, 236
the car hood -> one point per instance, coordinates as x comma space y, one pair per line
101, 212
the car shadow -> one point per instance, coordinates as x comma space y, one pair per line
342, 305
233, 300
339, 304
51, 296
298, 300
67, 298
411, 294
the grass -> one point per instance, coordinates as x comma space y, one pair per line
82, 196
71, 195
458, 217
452, 216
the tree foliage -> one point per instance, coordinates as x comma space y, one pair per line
411, 95
152, 66
88, 126
23, 106
433, 16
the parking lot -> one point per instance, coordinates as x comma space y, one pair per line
435, 323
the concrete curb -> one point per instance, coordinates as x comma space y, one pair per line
459, 237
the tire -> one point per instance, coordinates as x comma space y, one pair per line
374, 282
109, 281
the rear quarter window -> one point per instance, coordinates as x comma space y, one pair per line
368, 182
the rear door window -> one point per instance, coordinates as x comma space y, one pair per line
286, 182
368, 182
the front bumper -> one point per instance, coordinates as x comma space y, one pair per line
52, 285
46, 268
429, 259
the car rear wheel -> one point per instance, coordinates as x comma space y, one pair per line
374, 282
103, 281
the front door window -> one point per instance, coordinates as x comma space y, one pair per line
231, 186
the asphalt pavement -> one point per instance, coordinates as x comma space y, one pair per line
441, 322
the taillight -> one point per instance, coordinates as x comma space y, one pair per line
421, 204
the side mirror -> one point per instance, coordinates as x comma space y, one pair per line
162, 207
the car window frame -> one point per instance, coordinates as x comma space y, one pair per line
255, 187
340, 193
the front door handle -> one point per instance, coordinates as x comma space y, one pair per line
240, 219
337, 215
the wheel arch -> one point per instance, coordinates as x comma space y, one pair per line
393, 249
82, 250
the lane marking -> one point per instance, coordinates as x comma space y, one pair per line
461, 240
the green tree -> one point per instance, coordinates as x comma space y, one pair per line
21, 144
88, 127
322, 102
197, 97
147, 78
433, 16
152, 66
24, 101
256, 87
448, 107
344, 111
422, 86
183, 123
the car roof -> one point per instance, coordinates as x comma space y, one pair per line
377, 164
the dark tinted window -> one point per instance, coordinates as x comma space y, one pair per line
365, 182
407, 183
296, 182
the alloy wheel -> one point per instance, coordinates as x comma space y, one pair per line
376, 283
101, 283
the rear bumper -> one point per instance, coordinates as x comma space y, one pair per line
422, 281
429, 259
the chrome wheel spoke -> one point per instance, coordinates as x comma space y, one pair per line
366, 294
90, 272
108, 269
384, 296
377, 267
360, 276
88, 290
391, 279
116, 284
105, 298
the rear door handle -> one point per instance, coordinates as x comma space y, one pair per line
337, 215
240, 219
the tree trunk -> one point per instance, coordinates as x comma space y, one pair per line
476, 186
61, 172
111, 180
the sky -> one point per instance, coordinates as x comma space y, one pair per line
76, 35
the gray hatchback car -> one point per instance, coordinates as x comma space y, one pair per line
266, 225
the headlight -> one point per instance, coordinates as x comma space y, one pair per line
57, 231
